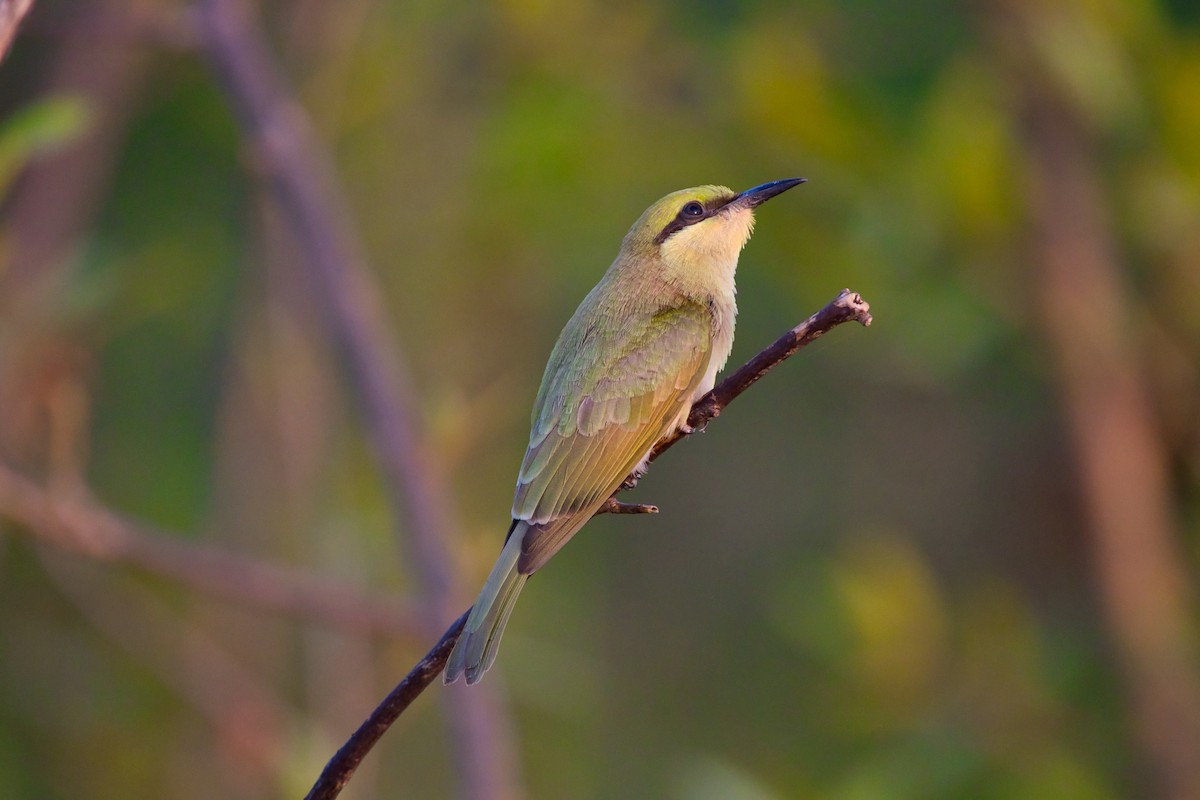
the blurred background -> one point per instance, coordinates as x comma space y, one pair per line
950, 556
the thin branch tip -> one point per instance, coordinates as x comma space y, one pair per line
859, 308
614, 506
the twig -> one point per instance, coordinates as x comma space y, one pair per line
82, 526
614, 506
346, 760
845, 307
301, 179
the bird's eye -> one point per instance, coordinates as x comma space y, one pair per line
693, 210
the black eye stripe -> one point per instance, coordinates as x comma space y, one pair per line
692, 212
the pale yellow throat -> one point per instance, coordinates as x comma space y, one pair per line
713, 244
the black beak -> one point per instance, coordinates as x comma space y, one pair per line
760, 194
752, 198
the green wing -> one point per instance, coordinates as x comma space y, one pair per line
609, 393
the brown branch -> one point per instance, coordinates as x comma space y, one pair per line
614, 506
301, 178
83, 527
845, 307
345, 761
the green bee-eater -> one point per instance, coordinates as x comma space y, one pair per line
644, 345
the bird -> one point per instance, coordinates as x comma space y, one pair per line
642, 347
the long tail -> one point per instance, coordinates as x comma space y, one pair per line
476, 648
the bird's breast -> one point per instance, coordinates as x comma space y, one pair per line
724, 313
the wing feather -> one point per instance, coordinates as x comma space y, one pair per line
600, 410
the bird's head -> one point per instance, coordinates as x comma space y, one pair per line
703, 225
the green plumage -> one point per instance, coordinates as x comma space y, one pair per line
604, 404
641, 348
600, 411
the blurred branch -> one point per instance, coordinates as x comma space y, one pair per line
11, 14
1121, 459
845, 307
302, 182
249, 717
54, 203
301, 179
83, 527
129, 25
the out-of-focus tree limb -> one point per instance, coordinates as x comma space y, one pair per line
301, 179
128, 25
1122, 462
47, 216
11, 14
302, 183
54, 203
81, 526
248, 713
845, 307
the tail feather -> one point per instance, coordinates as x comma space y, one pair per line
475, 651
